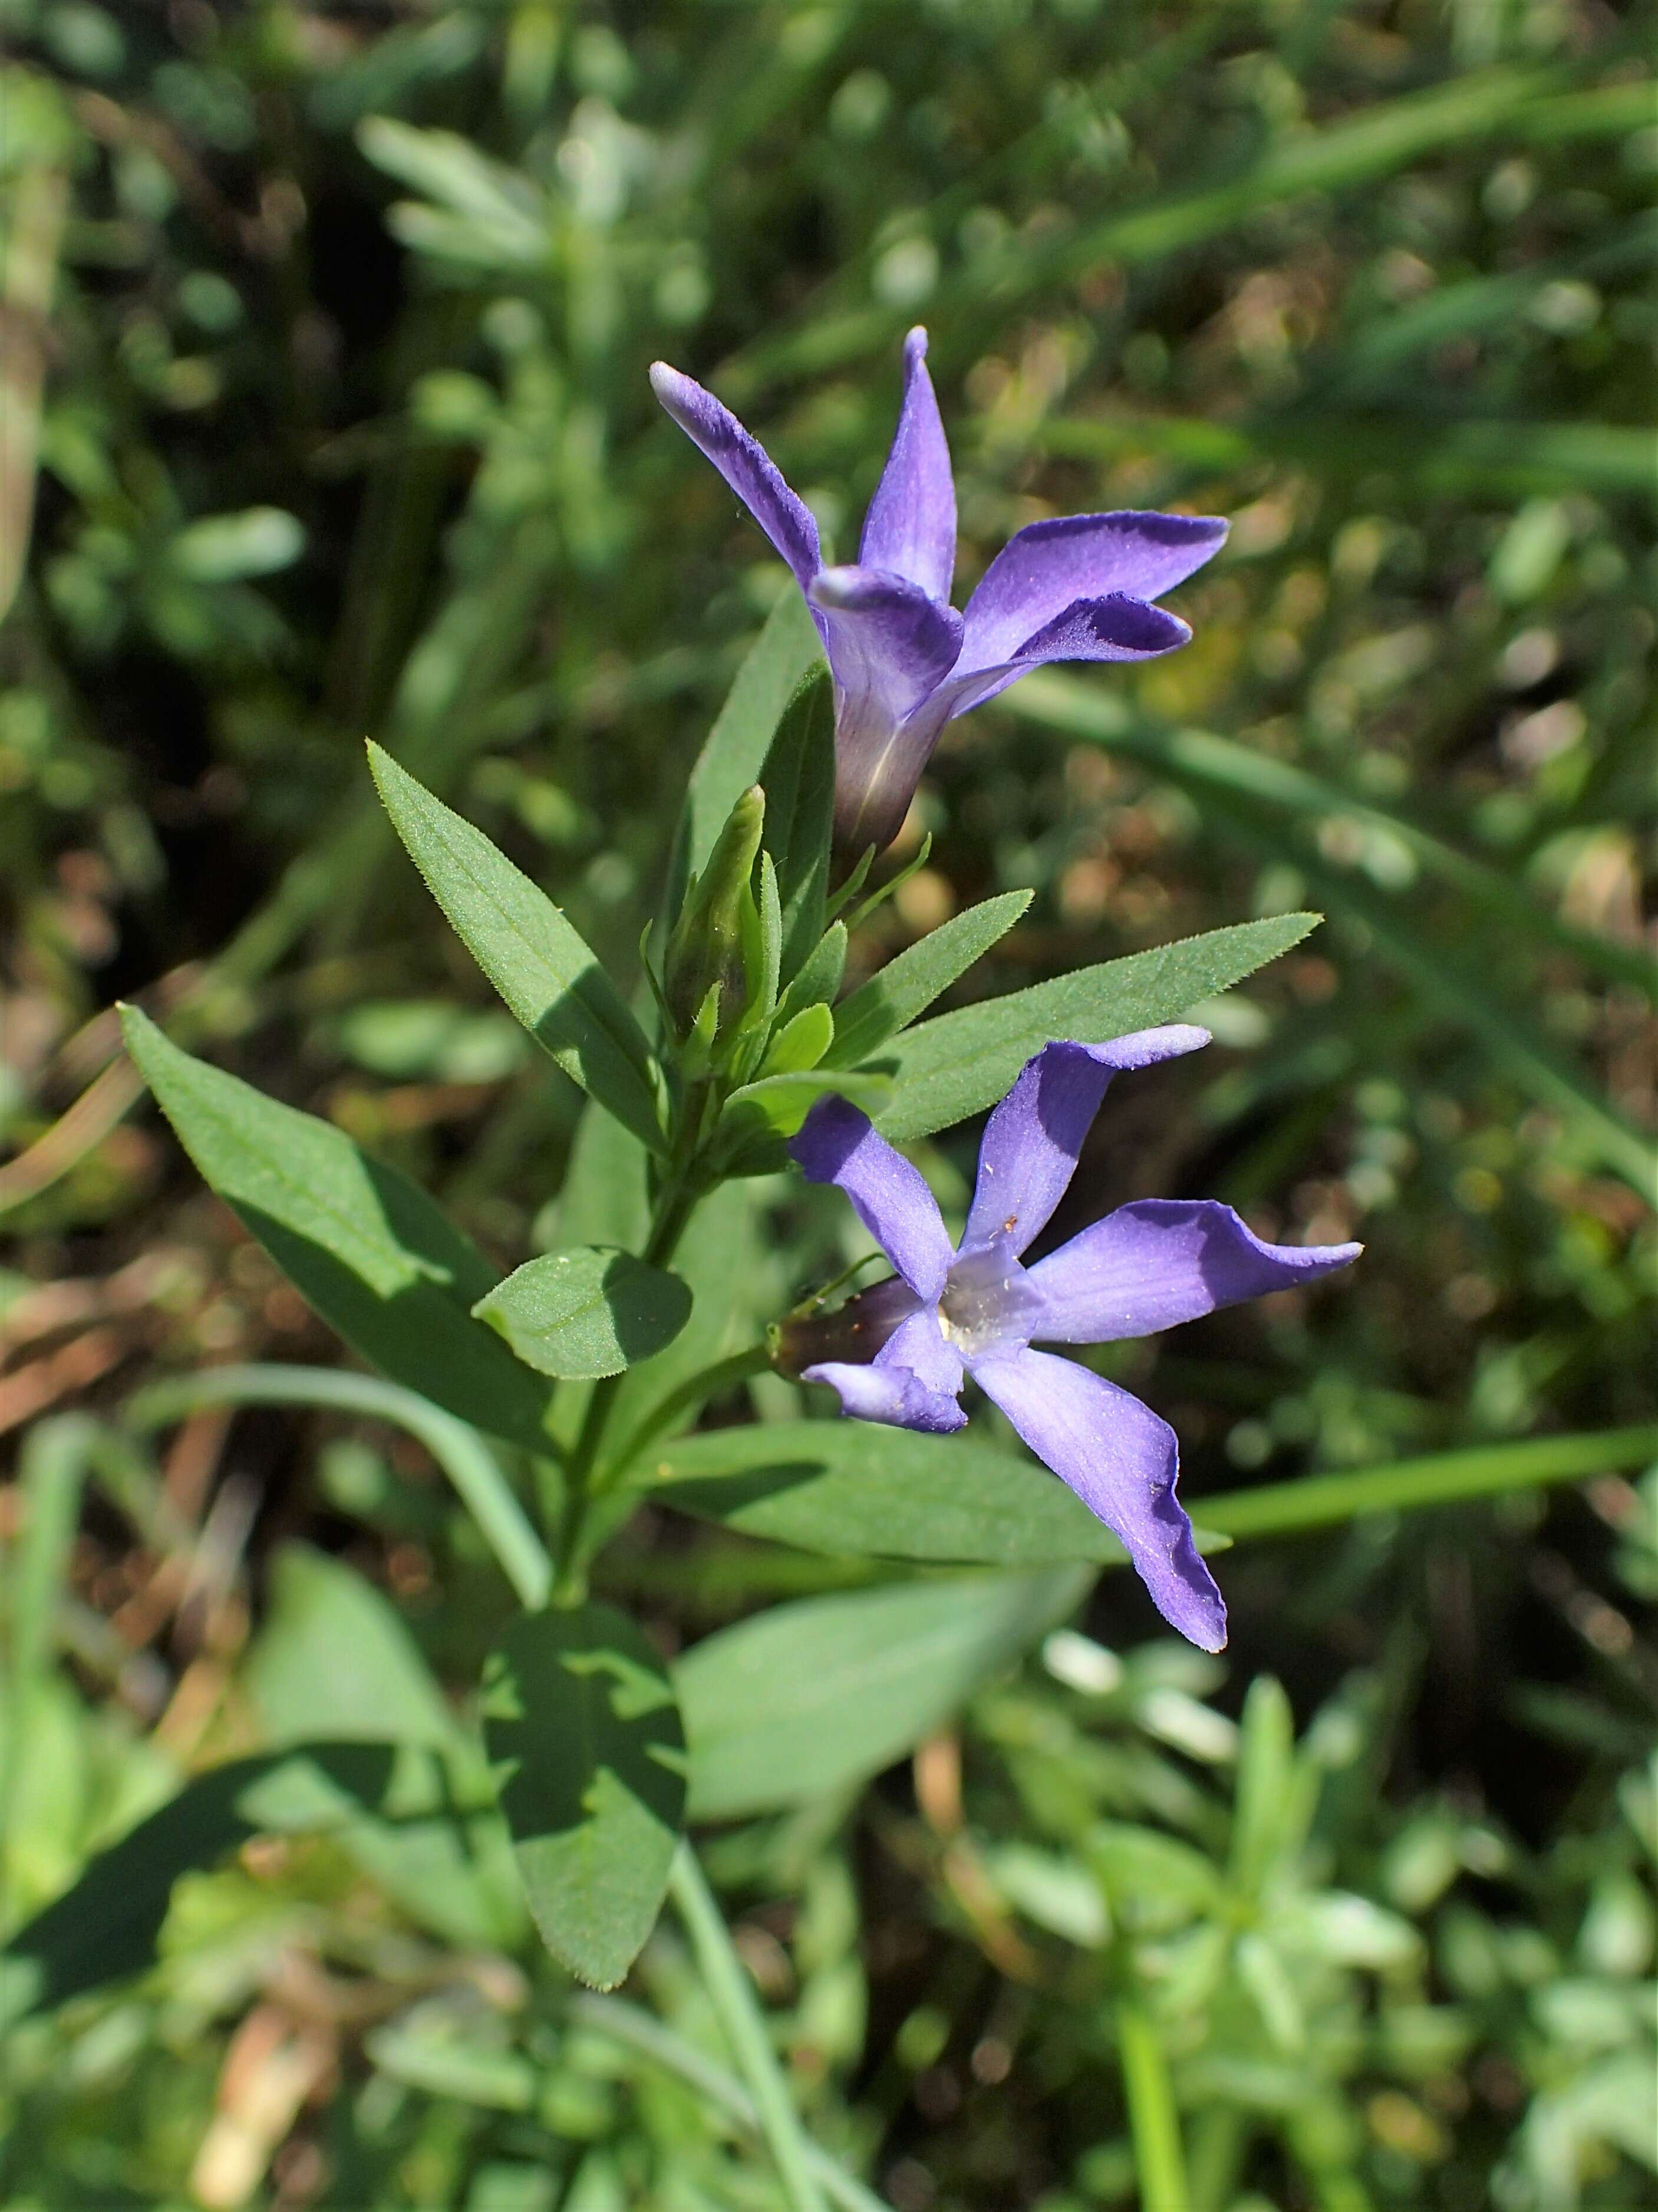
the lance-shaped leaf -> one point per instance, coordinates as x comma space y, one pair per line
582, 1726
798, 781
586, 1311
810, 1698
542, 967
850, 1489
908, 984
363, 1244
819, 978
959, 1063
755, 1121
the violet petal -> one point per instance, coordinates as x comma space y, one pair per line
837, 1144
1032, 1139
1114, 629
1123, 1462
1048, 566
746, 467
890, 647
911, 523
1162, 1262
919, 1346
912, 1383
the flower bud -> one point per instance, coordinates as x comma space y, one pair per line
855, 1330
707, 951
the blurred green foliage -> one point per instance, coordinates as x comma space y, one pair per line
326, 417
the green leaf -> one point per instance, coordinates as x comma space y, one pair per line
448, 169
408, 1040
465, 1456
755, 1121
801, 1042
766, 969
605, 1195
811, 1697
586, 1311
584, 1732
107, 1924
333, 1642
735, 752
605, 1199
1151, 1878
51, 1473
959, 1063
798, 781
369, 1250
908, 985
333, 1646
854, 1490
542, 970
219, 548
436, 2055
820, 978
1266, 1821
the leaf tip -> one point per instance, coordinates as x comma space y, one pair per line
138, 1032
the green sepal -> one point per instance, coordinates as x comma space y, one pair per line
861, 913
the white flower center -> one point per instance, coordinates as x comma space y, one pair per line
986, 1303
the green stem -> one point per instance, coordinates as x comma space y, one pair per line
709, 1382
674, 1211
636, 2031
1220, 2137
1441, 1478
1153, 2116
459, 1451
744, 2025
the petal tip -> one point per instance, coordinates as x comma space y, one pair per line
915, 344
675, 391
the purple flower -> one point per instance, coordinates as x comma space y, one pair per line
974, 1309
904, 661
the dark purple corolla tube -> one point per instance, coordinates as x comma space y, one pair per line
974, 1308
904, 661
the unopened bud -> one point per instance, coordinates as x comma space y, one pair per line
706, 951
855, 1330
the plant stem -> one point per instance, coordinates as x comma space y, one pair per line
636, 2031
708, 1382
1317, 1501
459, 1451
745, 2030
1153, 2116
674, 1211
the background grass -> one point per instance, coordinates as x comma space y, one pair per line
325, 416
